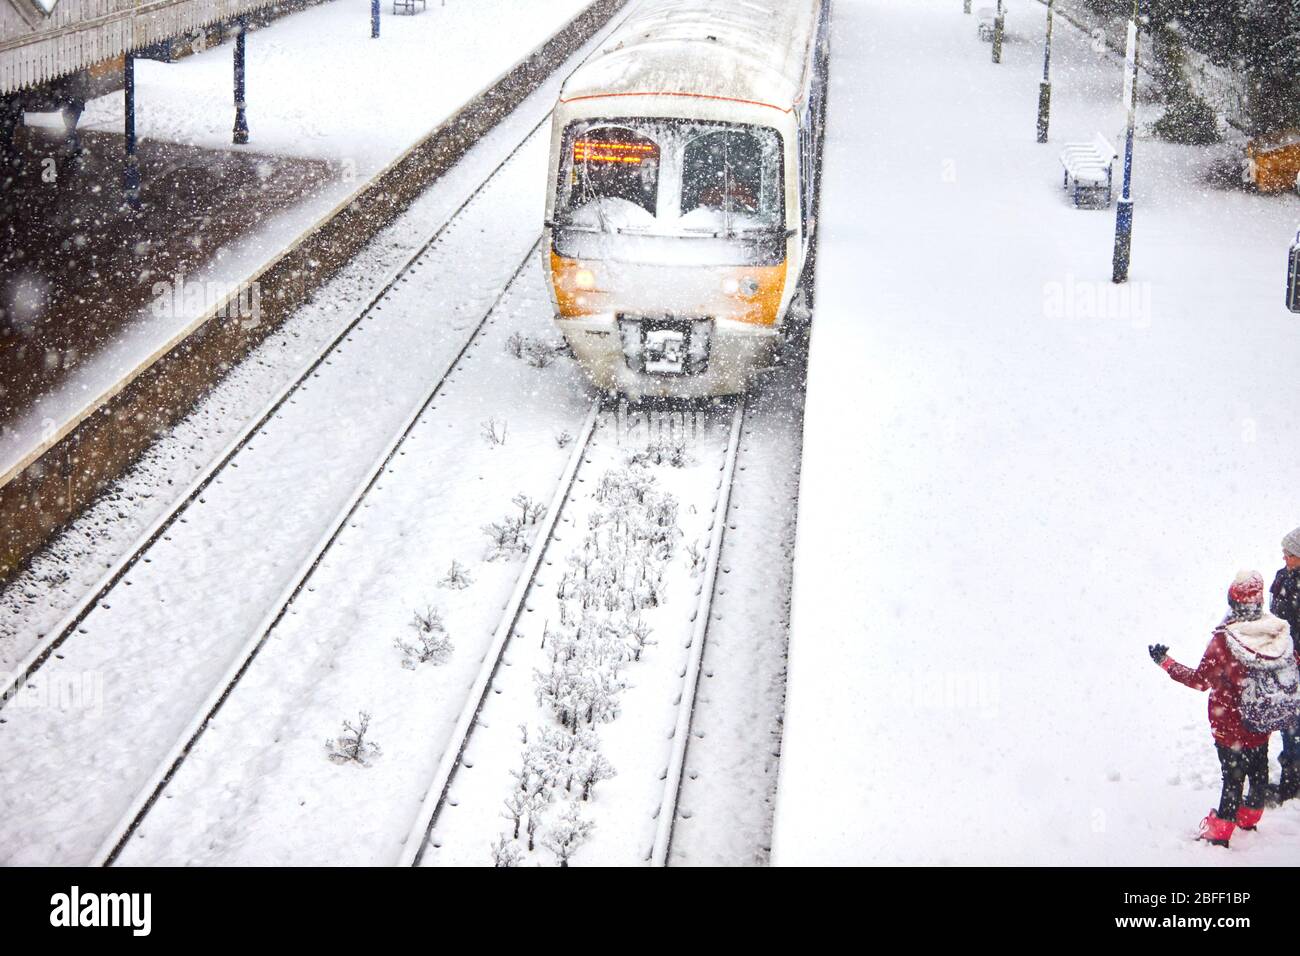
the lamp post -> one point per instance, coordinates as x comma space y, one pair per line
999, 21
1124, 209
1045, 87
241, 120
131, 172
374, 19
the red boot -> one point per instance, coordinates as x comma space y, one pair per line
1248, 817
1215, 831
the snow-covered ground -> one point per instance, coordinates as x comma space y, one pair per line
71, 768
318, 87
724, 813
35, 599
258, 789
162, 639
1013, 483
632, 727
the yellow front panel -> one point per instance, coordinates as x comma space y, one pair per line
750, 294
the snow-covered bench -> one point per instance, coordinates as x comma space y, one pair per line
409, 5
1089, 169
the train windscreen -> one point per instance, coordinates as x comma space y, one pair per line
614, 170
723, 187
731, 177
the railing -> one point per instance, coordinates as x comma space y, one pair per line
80, 33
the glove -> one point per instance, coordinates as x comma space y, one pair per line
1158, 652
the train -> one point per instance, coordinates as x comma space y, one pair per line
681, 209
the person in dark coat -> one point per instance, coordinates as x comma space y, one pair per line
1247, 633
1286, 605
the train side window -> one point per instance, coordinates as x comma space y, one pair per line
612, 166
732, 171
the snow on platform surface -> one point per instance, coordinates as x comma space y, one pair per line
318, 87
1011, 485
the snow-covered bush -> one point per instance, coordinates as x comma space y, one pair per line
637, 634
568, 834
432, 643
557, 689
695, 557
615, 571
458, 577
494, 431
662, 452
537, 805
599, 694
530, 511
548, 762
539, 353
506, 538
516, 806
565, 754
563, 440
595, 768
351, 745
584, 682
505, 852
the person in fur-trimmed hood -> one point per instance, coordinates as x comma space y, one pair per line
1248, 642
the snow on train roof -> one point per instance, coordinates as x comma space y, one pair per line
750, 50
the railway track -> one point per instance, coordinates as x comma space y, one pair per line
56, 748
62, 471
454, 752
159, 779
274, 611
13, 677
44, 649
666, 818
439, 795
174, 624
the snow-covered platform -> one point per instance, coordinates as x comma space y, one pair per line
79, 271
329, 109
1017, 476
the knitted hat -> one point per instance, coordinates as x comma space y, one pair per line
1291, 543
1247, 589
1246, 597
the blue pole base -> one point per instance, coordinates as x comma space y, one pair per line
131, 185
1123, 240
1044, 109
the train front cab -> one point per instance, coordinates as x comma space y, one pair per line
674, 243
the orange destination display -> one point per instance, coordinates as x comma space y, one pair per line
595, 151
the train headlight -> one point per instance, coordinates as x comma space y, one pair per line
584, 279
747, 286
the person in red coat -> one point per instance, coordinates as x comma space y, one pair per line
1247, 635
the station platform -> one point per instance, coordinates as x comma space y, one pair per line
1016, 475
76, 263
329, 110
